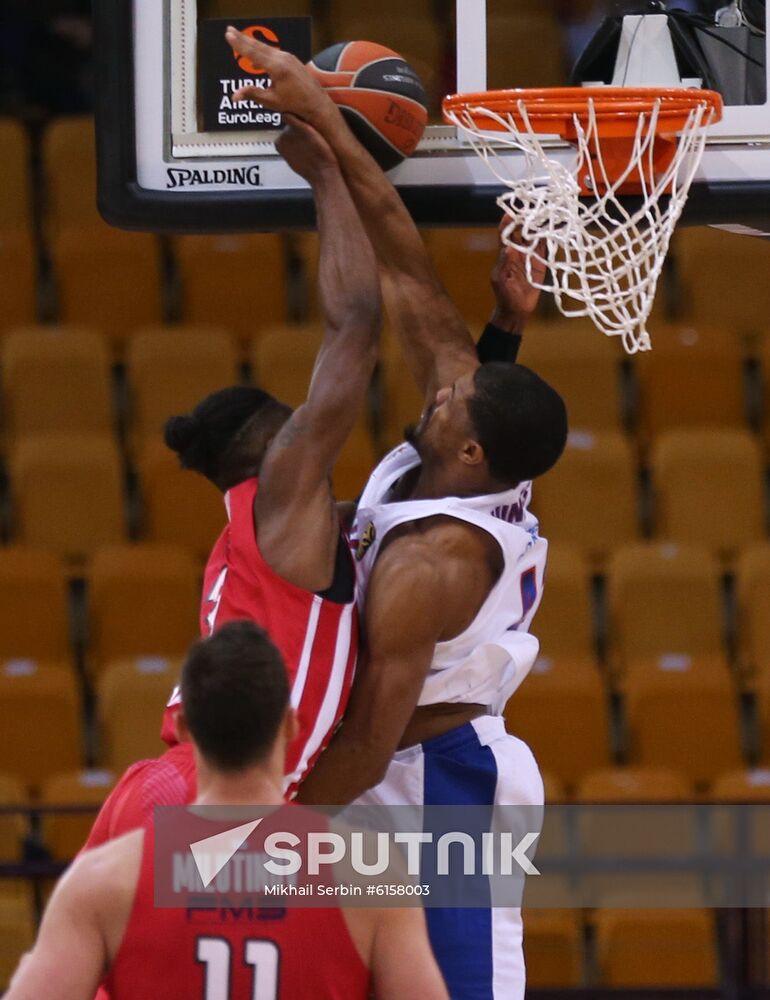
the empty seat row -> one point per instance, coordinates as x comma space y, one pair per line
680, 712
43, 733
707, 488
663, 600
664, 603
67, 495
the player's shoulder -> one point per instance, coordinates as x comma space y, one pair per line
439, 540
102, 875
114, 856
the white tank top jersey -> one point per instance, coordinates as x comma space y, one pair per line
487, 662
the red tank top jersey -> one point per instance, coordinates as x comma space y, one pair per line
317, 637
168, 780
270, 954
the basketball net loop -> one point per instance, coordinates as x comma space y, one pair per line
603, 258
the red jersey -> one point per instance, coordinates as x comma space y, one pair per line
317, 636
238, 954
169, 780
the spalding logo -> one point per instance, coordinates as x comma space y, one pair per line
367, 538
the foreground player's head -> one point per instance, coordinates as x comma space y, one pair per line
227, 434
496, 427
235, 693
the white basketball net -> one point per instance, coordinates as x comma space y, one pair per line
602, 259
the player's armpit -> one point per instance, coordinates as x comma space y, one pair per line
406, 614
403, 966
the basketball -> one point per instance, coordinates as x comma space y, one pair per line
381, 97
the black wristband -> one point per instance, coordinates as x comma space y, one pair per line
498, 345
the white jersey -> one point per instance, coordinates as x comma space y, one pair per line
487, 662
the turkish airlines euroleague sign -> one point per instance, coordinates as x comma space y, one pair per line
222, 71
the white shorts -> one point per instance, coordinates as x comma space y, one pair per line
480, 951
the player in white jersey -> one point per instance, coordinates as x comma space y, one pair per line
450, 556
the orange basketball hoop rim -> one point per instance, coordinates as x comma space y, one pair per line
611, 120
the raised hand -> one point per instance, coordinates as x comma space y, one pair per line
516, 296
305, 150
293, 90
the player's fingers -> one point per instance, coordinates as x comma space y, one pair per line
246, 46
262, 96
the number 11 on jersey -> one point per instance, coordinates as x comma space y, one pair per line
215, 954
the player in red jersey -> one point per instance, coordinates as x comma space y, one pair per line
282, 560
102, 920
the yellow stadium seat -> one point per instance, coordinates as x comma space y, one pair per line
40, 733
180, 507
401, 400
752, 589
283, 358
33, 588
763, 706
742, 786
723, 278
55, 380
171, 369
664, 600
464, 259
13, 827
583, 365
18, 265
68, 493
656, 948
354, 465
65, 833
764, 360
17, 933
729, 826
69, 152
693, 378
561, 711
143, 601
555, 792
709, 489
238, 281
282, 361
553, 948
131, 698
683, 713
634, 785
589, 498
563, 621
98, 269
610, 825
525, 50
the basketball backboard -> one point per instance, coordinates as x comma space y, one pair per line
160, 169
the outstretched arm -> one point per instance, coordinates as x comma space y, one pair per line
437, 345
295, 513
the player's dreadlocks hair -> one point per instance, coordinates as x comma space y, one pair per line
225, 436
519, 419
